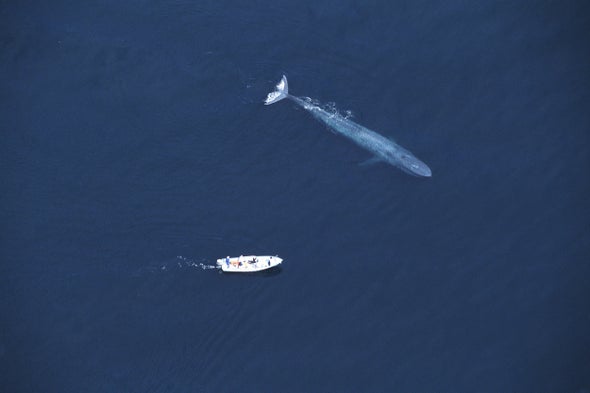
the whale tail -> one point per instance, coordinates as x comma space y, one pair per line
282, 91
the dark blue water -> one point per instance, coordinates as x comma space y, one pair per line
135, 150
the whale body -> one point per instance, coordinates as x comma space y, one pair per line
384, 149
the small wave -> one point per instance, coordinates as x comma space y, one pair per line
312, 101
331, 108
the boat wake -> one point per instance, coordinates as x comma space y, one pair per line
190, 263
181, 263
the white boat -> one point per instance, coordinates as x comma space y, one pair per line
248, 263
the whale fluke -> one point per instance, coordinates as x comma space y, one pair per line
282, 91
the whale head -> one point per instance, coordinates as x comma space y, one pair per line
414, 166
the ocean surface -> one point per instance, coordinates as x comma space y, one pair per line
135, 150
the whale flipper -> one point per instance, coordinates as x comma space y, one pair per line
282, 91
371, 161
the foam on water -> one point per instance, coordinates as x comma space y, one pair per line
182, 263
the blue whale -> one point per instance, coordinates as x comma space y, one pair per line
384, 149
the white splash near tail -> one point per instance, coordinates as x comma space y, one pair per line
281, 92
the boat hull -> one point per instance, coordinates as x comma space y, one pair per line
248, 263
